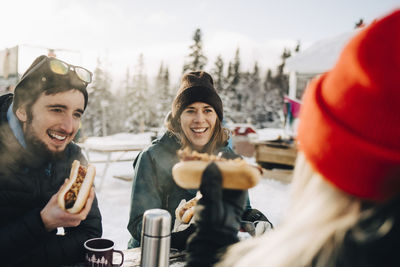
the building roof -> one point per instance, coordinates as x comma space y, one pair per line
320, 56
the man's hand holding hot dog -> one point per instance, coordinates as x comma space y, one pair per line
53, 216
73, 200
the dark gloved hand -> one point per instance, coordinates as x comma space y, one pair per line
217, 217
178, 239
218, 207
255, 222
253, 215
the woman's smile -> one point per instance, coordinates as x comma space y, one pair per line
199, 130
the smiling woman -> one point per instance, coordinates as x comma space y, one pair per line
197, 114
195, 123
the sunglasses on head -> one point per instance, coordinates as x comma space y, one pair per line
60, 67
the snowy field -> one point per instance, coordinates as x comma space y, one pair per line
269, 196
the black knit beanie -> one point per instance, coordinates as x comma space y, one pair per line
38, 78
196, 86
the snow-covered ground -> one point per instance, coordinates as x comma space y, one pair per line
269, 196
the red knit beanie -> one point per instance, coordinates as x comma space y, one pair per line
350, 118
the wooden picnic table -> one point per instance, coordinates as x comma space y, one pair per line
276, 152
277, 158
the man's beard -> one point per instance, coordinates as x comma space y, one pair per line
38, 147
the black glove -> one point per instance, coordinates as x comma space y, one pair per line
217, 217
178, 239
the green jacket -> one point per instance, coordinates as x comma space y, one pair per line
153, 185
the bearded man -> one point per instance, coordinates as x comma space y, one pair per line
37, 126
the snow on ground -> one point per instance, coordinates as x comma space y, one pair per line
114, 203
269, 196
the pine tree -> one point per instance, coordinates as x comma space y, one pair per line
282, 79
244, 98
235, 75
297, 47
268, 80
274, 88
138, 98
97, 120
218, 74
233, 92
196, 59
269, 114
121, 108
255, 103
255, 83
286, 54
164, 93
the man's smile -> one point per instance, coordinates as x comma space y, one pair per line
57, 135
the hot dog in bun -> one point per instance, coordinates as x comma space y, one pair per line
236, 173
73, 196
185, 212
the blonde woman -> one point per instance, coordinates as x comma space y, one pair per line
346, 191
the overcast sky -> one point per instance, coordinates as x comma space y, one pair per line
117, 31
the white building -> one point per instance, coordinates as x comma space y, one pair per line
318, 58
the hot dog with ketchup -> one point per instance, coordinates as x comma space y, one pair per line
73, 196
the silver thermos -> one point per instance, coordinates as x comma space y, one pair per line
156, 238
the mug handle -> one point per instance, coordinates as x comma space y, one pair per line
122, 257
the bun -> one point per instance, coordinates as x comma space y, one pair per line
185, 212
187, 216
72, 198
235, 174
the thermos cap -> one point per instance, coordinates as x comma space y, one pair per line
156, 223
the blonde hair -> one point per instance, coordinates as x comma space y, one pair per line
315, 224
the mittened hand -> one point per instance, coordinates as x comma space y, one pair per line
217, 219
253, 215
219, 207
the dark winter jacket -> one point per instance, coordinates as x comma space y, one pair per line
375, 240
154, 187
26, 185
